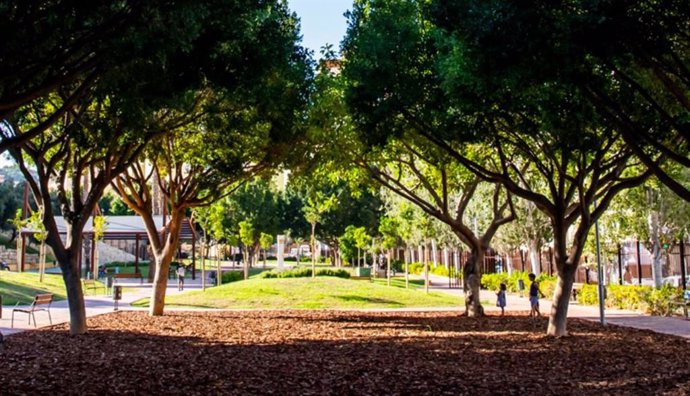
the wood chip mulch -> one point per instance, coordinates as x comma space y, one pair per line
340, 353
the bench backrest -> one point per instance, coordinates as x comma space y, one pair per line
135, 275
42, 299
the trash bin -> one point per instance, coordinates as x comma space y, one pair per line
117, 295
362, 271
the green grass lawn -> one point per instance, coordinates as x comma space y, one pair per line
22, 287
308, 293
397, 281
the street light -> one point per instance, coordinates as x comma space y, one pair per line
600, 272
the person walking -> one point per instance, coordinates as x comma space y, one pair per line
501, 298
180, 277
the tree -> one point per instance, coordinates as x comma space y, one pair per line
70, 48
432, 84
389, 230
256, 203
265, 241
317, 206
263, 77
247, 236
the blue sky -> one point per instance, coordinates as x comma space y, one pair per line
322, 22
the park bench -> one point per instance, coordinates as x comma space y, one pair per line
361, 278
683, 303
129, 276
41, 302
91, 284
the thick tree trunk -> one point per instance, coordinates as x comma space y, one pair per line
558, 319
160, 285
471, 282
75, 295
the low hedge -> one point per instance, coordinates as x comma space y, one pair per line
644, 298
232, 276
304, 273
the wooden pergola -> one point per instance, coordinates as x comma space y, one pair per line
120, 228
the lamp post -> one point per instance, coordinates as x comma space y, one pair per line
600, 273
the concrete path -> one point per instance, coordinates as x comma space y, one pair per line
95, 305
667, 325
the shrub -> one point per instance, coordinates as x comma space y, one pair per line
304, 273
658, 301
626, 296
416, 268
305, 259
493, 281
588, 295
232, 276
439, 270
339, 273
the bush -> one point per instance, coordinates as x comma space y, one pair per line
439, 270
304, 273
493, 281
658, 301
416, 268
588, 295
305, 259
338, 273
232, 276
626, 296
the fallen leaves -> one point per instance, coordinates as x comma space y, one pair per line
331, 352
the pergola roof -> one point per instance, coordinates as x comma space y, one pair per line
123, 227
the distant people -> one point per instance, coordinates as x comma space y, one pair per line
534, 294
4, 266
180, 277
501, 298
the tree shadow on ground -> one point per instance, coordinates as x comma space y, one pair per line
324, 352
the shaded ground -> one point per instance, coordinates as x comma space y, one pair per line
328, 352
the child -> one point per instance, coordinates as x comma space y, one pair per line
501, 298
534, 294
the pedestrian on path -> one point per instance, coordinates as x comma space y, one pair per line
534, 294
501, 298
180, 277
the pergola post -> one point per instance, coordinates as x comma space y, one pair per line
193, 252
136, 253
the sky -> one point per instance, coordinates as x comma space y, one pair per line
322, 22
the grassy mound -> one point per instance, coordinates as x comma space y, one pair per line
308, 293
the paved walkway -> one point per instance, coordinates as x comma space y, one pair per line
97, 305
667, 325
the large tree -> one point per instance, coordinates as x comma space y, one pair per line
412, 76
70, 47
629, 59
212, 71
254, 123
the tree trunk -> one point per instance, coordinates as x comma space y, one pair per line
534, 257
163, 257
75, 295
471, 282
160, 285
656, 249
558, 319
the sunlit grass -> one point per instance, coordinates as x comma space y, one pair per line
308, 293
22, 287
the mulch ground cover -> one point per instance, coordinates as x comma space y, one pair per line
340, 353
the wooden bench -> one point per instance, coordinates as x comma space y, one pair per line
682, 303
129, 276
91, 284
41, 302
361, 278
